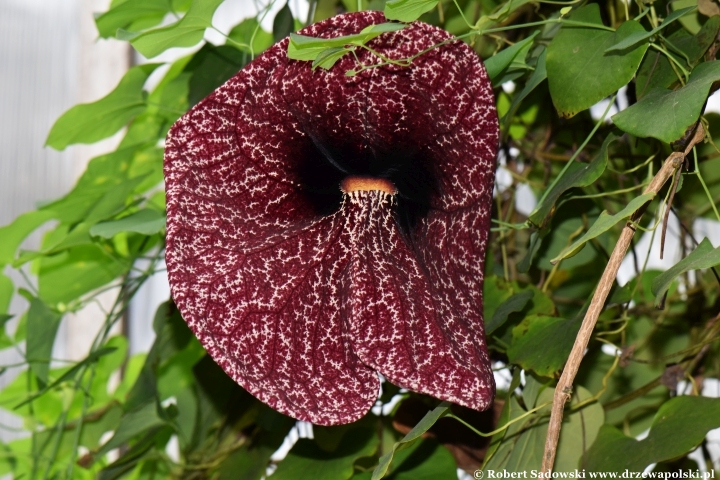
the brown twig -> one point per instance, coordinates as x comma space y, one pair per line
564, 386
673, 189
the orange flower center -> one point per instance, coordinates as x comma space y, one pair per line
353, 184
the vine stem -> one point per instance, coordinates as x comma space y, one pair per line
563, 389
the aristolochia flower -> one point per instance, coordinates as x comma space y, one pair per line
323, 228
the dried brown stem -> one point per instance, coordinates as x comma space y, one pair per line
564, 386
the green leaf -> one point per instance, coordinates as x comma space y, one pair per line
679, 426
637, 37
140, 13
569, 221
505, 60
249, 32
145, 222
542, 344
101, 174
425, 460
329, 57
7, 288
91, 122
187, 32
509, 408
516, 303
283, 23
408, 10
578, 432
75, 272
577, 175
656, 70
307, 460
524, 442
412, 436
495, 291
604, 223
704, 256
538, 75
532, 389
302, 47
580, 73
133, 423
13, 234
113, 201
42, 326
69, 374
667, 114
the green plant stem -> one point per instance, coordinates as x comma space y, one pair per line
704, 185
501, 429
672, 59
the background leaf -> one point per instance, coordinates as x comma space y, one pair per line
685, 419
542, 344
145, 222
91, 122
704, 256
681, 108
580, 73
42, 324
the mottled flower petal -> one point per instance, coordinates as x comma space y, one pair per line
403, 326
301, 299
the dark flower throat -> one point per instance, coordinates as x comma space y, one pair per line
325, 163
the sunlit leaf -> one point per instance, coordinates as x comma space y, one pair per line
329, 57
42, 325
70, 374
91, 122
132, 13
187, 32
75, 272
407, 10
302, 47
13, 234
101, 175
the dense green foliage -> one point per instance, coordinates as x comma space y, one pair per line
542, 268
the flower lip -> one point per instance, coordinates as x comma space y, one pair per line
355, 183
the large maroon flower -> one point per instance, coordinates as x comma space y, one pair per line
302, 291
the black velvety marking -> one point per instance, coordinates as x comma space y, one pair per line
326, 163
